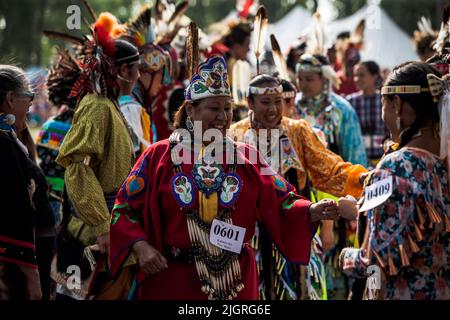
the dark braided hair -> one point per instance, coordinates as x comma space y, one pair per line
415, 73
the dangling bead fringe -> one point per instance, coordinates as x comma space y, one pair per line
392, 268
419, 236
432, 214
403, 256
412, 244
420, 215
380, 261
447, 223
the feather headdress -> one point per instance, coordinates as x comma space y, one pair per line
318, 41
261, 24
192, 51
278, 58
443, 40
138, 29
241, 79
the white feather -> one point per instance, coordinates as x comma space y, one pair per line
241, 79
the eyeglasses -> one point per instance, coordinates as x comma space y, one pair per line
27, 94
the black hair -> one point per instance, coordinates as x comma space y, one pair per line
12, 78
261, 80
343, 35
424, 44
125, 53
320, 57
238, 35
291, 59
372, 67
179, 120
288, 86
415, 73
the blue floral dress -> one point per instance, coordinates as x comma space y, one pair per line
409, 232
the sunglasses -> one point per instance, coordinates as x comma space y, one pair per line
27, 94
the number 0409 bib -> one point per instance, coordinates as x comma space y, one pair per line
227, 236
376, 194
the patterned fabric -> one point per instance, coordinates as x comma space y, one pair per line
327, 171
164, 107
5, 122
211, 80
156, 217
419, 180
302, 150
153, 58
98, 133
340, 124
408, 235
47, 144
137, 117
368, 109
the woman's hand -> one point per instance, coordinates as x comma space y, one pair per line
363, 177
348, 208
34, 291
324, 210
150, 260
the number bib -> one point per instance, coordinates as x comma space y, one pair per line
376, 194
227, 236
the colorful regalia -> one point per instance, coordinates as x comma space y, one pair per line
17, 230
96, 154
304, 162
172, 203
409, 232
338, 124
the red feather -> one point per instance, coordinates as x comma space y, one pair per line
246, 9
105, 41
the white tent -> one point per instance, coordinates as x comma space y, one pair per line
291, 26
384, 41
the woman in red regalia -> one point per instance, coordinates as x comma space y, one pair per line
166, 207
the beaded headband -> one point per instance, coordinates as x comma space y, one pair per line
266, 90
403, 89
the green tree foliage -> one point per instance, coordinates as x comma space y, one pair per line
22, 21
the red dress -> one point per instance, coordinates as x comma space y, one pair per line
146, 208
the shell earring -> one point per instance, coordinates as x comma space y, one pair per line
189, 124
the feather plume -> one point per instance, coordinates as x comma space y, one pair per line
64, 36
424, 26
317, 42
358, 34
329, 73
444, 33
173, 24
278, 58
241, 79
90, 10
138, 28
243, 8
103, 28
180, 10
192, 49
259, 33
63, 74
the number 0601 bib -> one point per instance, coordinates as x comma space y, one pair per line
227, 236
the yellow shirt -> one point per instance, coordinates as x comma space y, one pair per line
328, 171
98, 133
